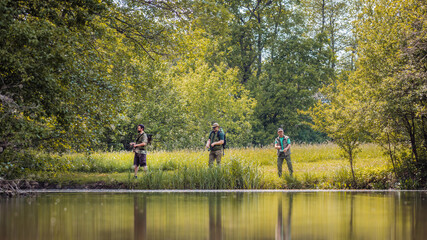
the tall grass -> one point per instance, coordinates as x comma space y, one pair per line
229, 176
315, 166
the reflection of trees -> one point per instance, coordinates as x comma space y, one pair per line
281, 231
351, 216
22, 218
418, 213
140, 217
215, 228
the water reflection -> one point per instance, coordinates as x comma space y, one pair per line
215, 228
281, 231
283, 215
139, 217
351, 235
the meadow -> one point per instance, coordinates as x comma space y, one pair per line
318, 166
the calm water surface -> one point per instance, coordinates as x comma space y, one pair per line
223, 215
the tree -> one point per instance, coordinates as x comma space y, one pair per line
56, 87
179, 98
289, 84
150, 25
210, 95
342, 115
391, 67
267, 41
69, 67
333, 19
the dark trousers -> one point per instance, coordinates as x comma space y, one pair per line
280, 158
215, 155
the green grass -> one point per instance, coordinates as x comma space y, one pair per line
315, 166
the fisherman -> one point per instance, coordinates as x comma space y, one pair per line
283, 145
214, 143
139, 145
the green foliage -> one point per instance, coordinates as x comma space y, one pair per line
278, 61
342, 116
392, 76
332, 19
16, 165
290, 81
12, 164
384, 98
168, 166
58, 91
229, 176
214, 95
250, 168
80, 75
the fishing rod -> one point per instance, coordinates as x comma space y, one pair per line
200, 155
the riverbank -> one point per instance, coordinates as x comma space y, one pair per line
315, 167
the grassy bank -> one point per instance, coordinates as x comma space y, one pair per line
315, 167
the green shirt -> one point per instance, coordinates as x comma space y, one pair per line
140, 139
283, 144
281, 141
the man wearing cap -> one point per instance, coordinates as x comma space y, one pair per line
140, 158
214, 143
283, 145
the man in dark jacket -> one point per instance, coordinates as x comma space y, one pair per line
214, 143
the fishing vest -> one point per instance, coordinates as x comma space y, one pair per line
283, 144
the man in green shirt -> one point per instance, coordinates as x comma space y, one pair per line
283, 145
140, 158
214, 143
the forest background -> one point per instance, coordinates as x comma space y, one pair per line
78, 76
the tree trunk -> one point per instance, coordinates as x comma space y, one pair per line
332, 37
323, 16
350, 154
391, 156
411, 131
260, 47
423, 127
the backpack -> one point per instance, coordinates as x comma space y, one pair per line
224, 145
149, 138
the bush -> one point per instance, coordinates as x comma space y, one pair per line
12, 164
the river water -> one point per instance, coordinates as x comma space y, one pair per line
215, 215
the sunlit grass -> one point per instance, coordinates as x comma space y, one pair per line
315, 166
